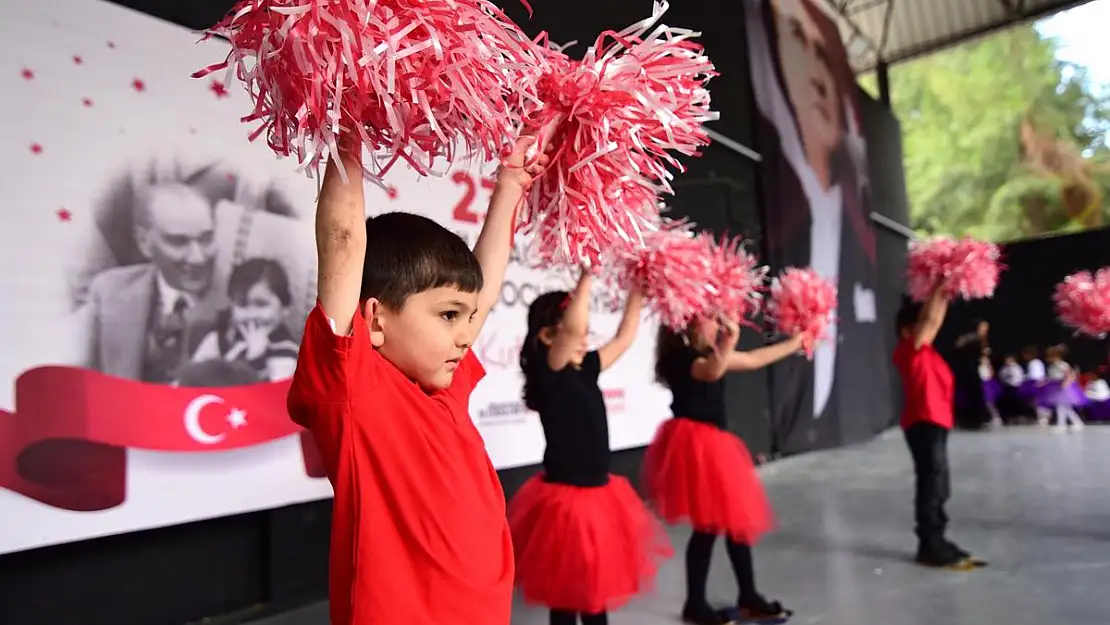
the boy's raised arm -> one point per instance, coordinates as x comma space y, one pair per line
495, 243
341, 237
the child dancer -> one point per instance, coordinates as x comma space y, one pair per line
1012, 376
992, 389
253, 331
1034, 381
927, 417
584, 541
1062, 394
383, 379
697, 471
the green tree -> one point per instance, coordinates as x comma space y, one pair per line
1001, 140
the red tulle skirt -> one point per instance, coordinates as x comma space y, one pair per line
584, 549
697, 473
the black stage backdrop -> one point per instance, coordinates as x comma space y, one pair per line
238, 568
814, 181
888, 198
1021, 313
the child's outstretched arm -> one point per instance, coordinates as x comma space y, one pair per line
765, 356
931, 319
575, 324
341, 236
626, 331
495, 243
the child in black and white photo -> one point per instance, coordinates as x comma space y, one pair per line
252, 332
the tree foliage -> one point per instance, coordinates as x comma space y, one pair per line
1001, 140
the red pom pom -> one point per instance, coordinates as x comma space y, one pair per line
802, 302
967, 268
673, 272
1083, 302
738, 280
613, 123
415, 78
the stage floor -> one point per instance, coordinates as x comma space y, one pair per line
1035, 503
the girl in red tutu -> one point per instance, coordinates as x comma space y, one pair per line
584, 542
695, 471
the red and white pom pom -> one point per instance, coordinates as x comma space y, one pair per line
802, 302
1083, 302
738, 281
964, 268
672, 271
417, 79
612, 124
975, 269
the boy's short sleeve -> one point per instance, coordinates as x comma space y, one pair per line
327, 364
467, 376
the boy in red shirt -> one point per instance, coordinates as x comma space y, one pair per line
927, 384
383, 379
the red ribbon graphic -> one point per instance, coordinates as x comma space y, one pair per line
65, 445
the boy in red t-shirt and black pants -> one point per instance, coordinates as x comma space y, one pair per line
928, 387
383, 382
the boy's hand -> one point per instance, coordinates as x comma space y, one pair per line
520, 169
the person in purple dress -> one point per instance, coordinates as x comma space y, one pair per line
1062, 394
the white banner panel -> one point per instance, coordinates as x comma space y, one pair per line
134, 204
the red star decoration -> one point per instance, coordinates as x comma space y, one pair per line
219, 89
138, 85
87, 102
36, 148
391, 192
64, 214
78, 60
27, 74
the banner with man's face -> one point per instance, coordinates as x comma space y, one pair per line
815, 190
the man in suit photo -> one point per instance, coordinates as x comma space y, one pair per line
143, 321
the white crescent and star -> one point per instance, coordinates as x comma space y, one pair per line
236, 418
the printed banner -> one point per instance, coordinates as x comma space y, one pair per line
158, 270
814, 181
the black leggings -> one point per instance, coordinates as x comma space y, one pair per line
698, 553
563, 617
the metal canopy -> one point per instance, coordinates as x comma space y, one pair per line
898, 30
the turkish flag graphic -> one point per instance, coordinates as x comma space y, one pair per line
65, 445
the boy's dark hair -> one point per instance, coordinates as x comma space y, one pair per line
1029, 352
908, 315
667, 344
250, 272
546, 311
407, 254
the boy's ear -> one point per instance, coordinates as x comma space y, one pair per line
372, 311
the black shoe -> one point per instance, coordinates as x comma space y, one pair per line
704, 615
759, 610
942, 557
966, 555
963, 553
